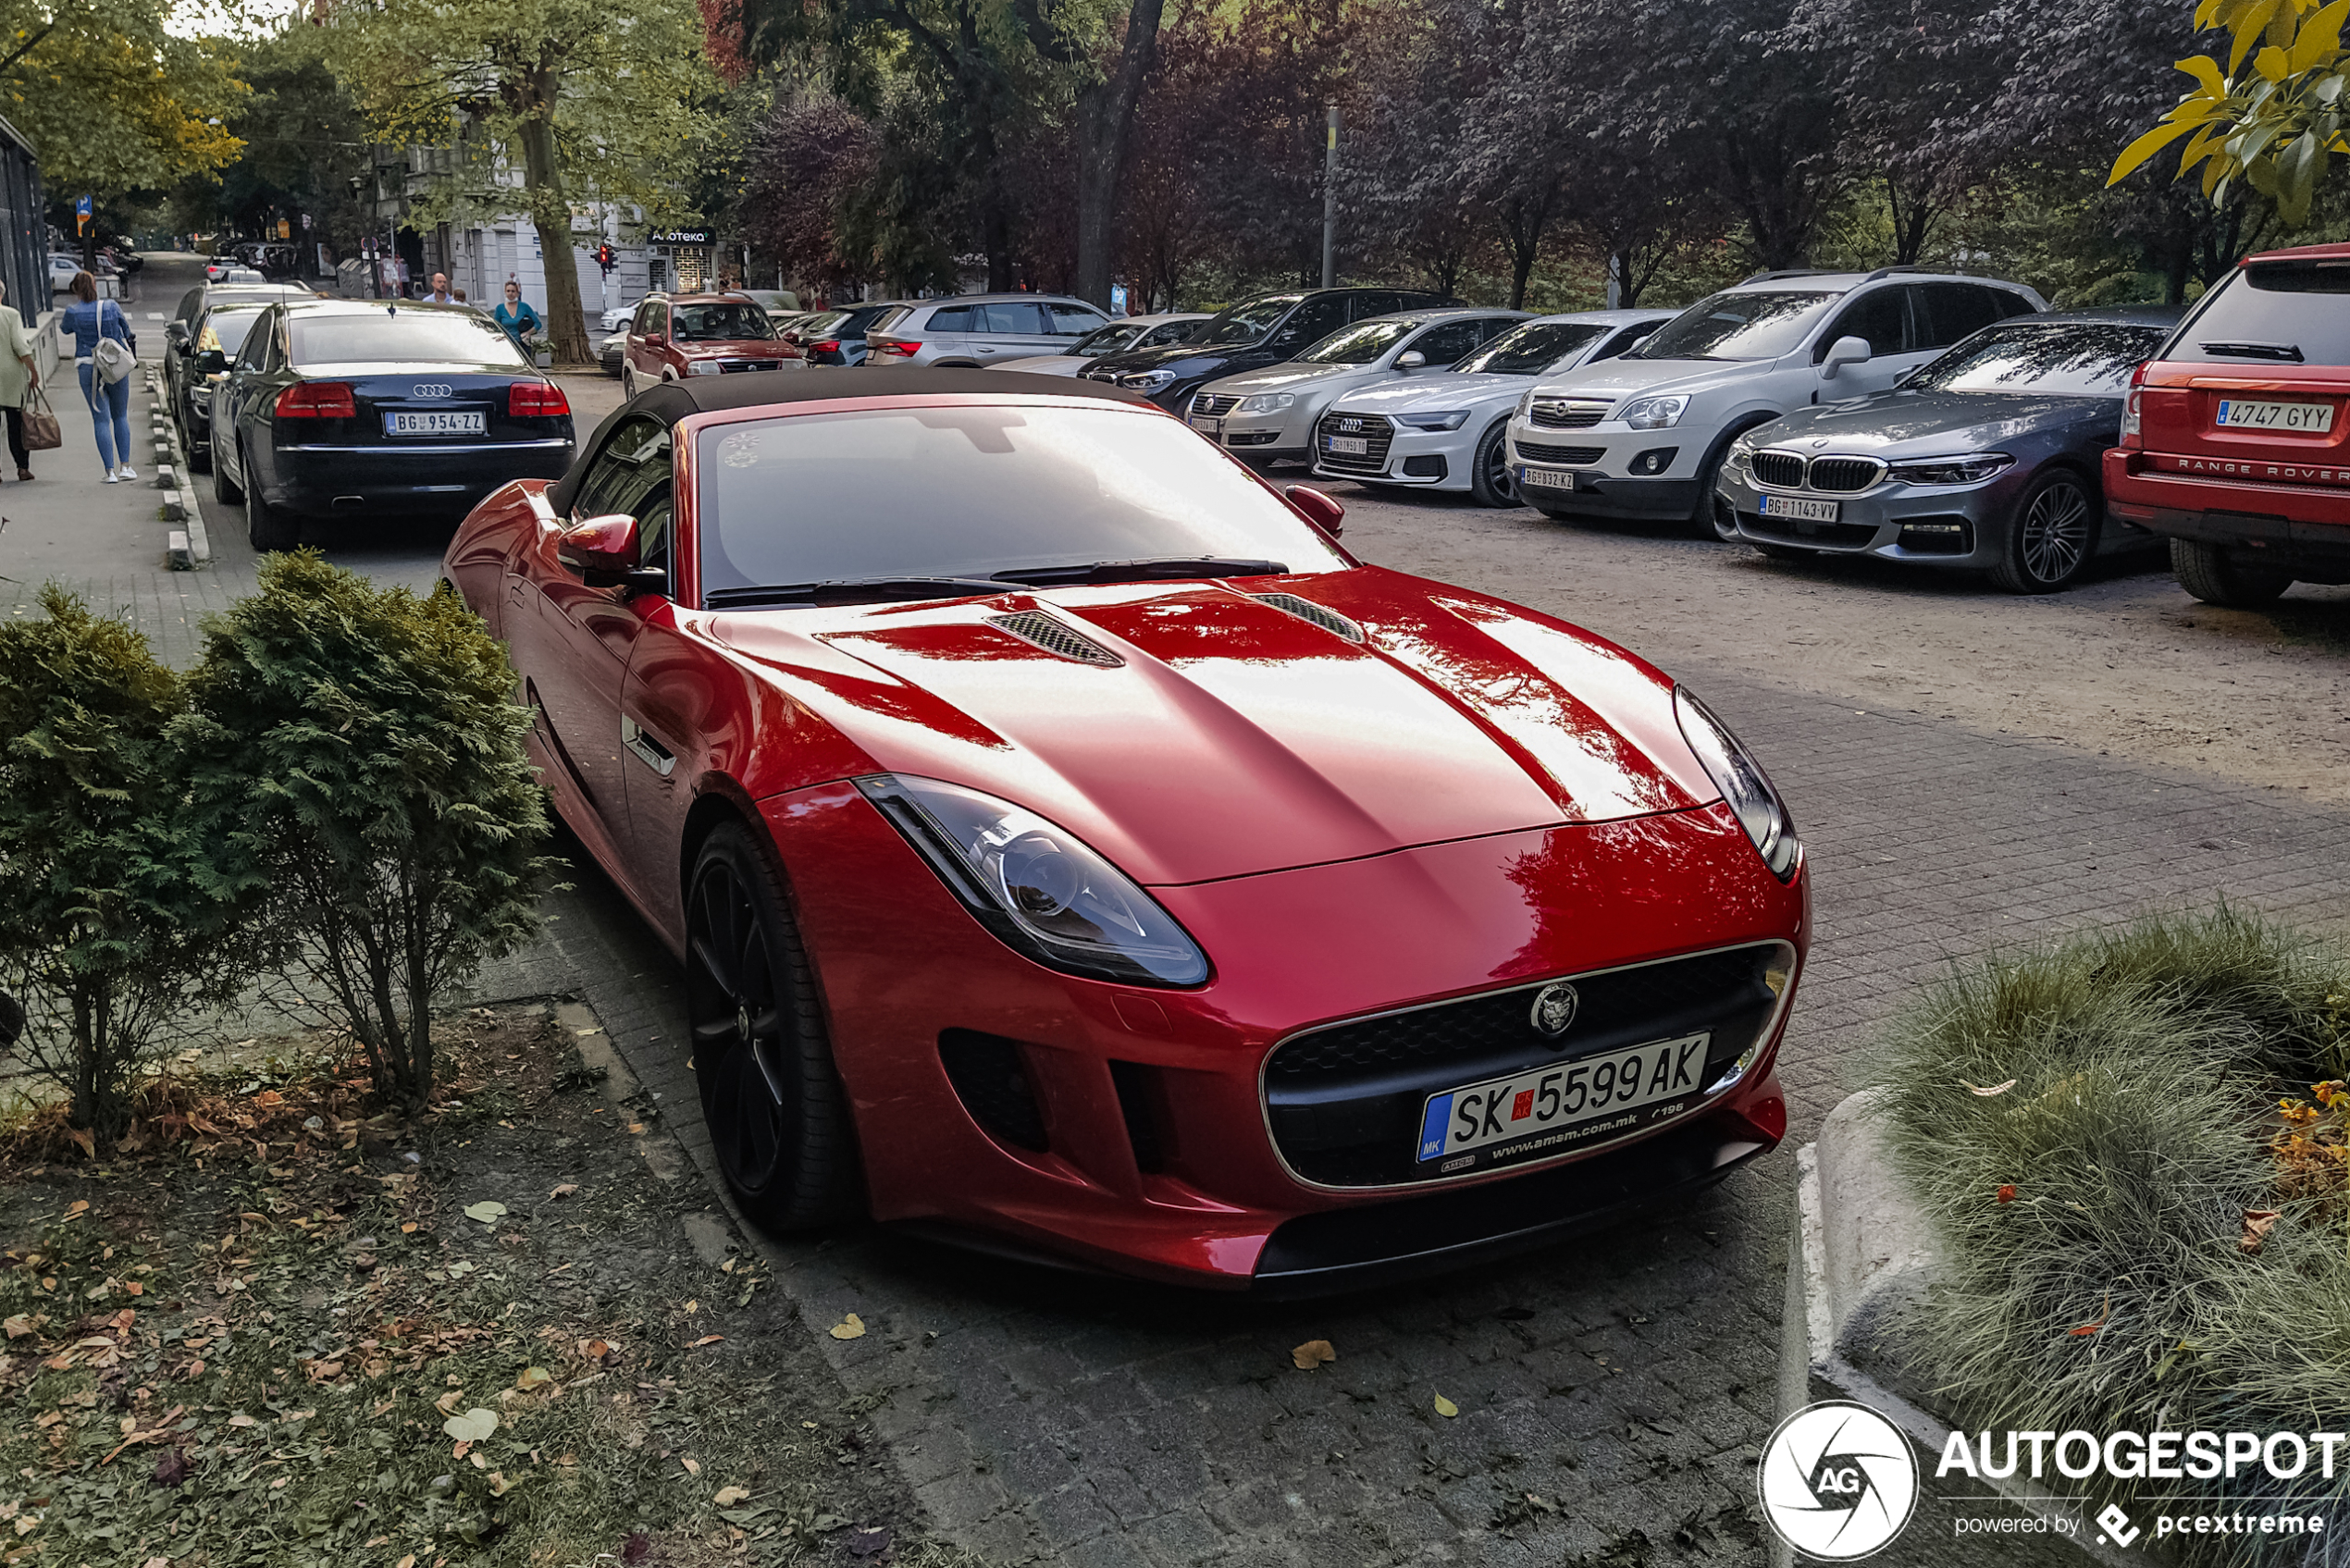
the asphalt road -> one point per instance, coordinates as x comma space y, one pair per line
1963, 779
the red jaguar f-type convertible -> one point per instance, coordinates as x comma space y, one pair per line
1074, 852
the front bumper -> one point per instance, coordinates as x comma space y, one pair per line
1153, 1151
1960, 526
324, 481
1607, 470
1259, 438
2270, 520
1398, 454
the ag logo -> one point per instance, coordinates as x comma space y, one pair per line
1837, 1481
1555, 1007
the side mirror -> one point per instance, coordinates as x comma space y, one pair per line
1320, 510
212, 362
1410, 359
605, 554
656, 337
1843, 351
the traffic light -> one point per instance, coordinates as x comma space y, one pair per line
605, 259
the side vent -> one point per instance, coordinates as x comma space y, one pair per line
991, 1081
1055, 638
1307, 609
1138, 1102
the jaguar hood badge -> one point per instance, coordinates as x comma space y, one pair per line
1555, 1008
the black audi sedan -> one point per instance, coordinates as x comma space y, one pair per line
343, 410
1984, 458
1261, 330
213, 340
179, 332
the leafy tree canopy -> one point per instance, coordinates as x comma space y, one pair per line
110, 99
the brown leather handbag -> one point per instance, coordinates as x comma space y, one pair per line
41, 431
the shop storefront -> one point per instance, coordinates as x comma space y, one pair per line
683, 261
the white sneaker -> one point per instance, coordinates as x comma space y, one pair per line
112, 477
127, 472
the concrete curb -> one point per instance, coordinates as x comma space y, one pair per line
1861, 1258
188, 545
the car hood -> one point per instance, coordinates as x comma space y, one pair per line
1896, 424
1615, 378
1044, 365
1289, 376
1232, 738
1468, 388
1182, 358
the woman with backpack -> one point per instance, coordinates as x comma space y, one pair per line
103, 352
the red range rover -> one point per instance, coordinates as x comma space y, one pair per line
2233, 442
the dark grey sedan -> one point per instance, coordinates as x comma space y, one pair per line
1984, 459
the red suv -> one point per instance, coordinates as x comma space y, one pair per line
2234, 440
674, 336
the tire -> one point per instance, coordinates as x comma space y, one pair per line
269, 527
1491, 483
628, 381
225, 490
2052, 536
778, 1118
2213, 575
1703, 516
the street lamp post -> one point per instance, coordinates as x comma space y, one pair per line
1329, 203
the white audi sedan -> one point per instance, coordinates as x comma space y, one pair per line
1268, 416
1449, 432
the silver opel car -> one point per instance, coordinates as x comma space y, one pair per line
1983, 459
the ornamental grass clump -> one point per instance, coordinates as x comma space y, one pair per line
362, 748
2123, 1143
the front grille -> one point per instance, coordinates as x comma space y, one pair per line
1307, 609
1780, 470
1376, 433
1577, 457
1796, 531
1053, 636
1564, 413
1213, 404
1344, 1102
1842, 476
735, 366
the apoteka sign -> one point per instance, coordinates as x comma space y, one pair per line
1837, 1481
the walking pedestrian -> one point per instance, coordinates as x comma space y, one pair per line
18, 376
440, 294
515, 315
90, 321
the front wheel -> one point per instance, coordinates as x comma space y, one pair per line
778, 1118
1492, 482
628, 381
2052, 537
2213, 575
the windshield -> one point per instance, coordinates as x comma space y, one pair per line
1247, 322
403, 335
1533, 347
226, 329
1739, 326
1360, 343
1107, 341
968, 492
717, 323
2081, 359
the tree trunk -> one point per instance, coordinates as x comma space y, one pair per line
542, 184
1913, 211
1104, 122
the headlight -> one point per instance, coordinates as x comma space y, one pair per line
1739, 459
1654, 413
701, 368
1966, 468
1741, 780
1148, 380
1526, 403
1452, 421
1267, 402
1037, 887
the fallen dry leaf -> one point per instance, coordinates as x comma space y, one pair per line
1446, 1408
533, 1378
474, 1426
693, 1465
407, 1562
849, 1328
488, 1212
2103, 1312
1995, 1089
2007, 1193
566, 1190
18, 1326
729, 1495
1313, 1354
447, 1403
2257, 1223
714, 1339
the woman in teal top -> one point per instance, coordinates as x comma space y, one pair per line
516, 317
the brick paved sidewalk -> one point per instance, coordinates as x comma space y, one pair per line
1625, 1382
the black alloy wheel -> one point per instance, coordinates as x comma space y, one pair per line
2053, 537
1492, 479
777, 1116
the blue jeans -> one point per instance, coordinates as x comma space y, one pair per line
114, 435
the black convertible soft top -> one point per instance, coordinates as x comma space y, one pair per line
673, 401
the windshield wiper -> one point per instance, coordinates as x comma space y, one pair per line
849, 589
2290, 352
1143, 570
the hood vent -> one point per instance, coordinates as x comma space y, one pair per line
1055, 638
1307, 609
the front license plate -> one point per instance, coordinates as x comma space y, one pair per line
1347, 446
1573, 1100
1802, 509
2242, 413
1547, 479
435, 422
1201, 422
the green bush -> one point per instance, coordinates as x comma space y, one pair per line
2148, 1067
360, 748
113, 921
